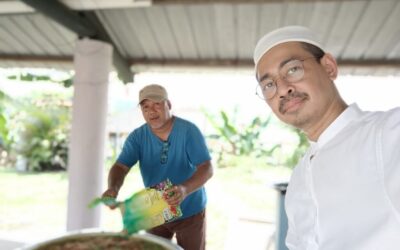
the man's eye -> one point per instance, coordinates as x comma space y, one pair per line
268, 84
293, 70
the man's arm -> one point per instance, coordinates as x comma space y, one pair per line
203, 173
116, 178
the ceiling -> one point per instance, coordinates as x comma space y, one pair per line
364, 35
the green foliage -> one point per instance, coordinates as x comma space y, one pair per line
237, 139
40, 133
2, 118
242, 140
299, 150
29, 77
4, 99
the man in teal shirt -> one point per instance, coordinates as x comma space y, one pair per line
168, 147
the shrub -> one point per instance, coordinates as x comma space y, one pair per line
40, 133
3, 120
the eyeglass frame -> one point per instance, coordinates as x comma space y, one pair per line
164, 152
279, 76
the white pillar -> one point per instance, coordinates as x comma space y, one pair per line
92, 62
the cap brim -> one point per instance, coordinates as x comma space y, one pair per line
154, 98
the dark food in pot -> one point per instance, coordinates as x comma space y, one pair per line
103, 243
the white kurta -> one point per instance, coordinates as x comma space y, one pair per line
345, 192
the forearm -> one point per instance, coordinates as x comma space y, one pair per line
116, 176
203, 173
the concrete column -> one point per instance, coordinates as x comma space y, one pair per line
92, 62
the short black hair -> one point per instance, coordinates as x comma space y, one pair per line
317, 52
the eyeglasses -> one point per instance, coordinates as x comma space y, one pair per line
290, 72
164, 152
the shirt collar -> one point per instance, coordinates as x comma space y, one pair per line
351, 113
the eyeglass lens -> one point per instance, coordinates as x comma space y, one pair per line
292, 71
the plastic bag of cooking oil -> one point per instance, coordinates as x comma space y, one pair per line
144, 209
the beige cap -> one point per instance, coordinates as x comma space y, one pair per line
153, 92
282, 35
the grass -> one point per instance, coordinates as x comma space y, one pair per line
33, 206
29, 200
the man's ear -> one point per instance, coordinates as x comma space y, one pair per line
169, 104
328, 62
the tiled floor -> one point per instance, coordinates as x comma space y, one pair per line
18, 238
9, 244
247, 233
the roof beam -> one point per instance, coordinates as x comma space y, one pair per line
161, 2
199, 63
249, 63
84, 24
120, 63
60, 13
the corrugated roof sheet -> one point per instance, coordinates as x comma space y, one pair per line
358, 33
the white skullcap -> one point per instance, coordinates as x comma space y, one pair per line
282, 35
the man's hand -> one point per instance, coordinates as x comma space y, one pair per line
110, 193
116, 178
175, 195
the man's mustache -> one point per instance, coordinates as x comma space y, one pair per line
289, 97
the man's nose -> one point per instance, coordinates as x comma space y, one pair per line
284, 88
152, 107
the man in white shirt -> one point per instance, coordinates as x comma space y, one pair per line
345, 192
